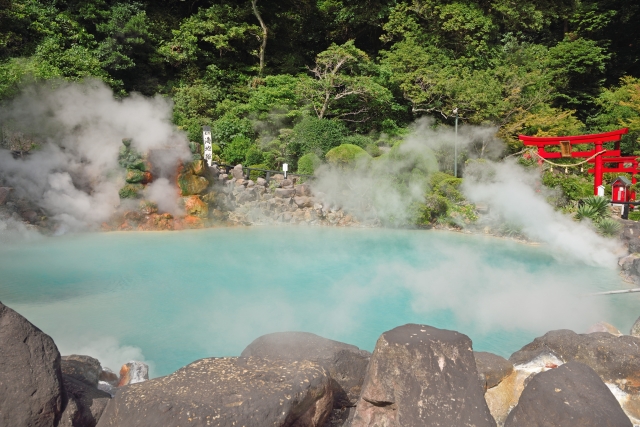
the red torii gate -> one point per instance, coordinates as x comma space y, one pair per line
598, 155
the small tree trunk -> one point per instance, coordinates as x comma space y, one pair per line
263, 45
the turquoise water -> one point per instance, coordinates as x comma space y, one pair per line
174, 297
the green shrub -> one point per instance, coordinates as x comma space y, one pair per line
345, 155
360, 140
608, 227
254, 156
236, 151
586, 211
308, 164
130, 191
573, 187
228, 127
313, 135
373, 150
634, 215
215, 149
134, 176
424, 161
434, 207
128, 157
594, 207
449, 188
437, 177
258, 174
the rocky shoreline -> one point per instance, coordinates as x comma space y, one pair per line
417, 375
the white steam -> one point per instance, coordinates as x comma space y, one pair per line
510, 190
386, 187
165, 195
75, 175
389, 186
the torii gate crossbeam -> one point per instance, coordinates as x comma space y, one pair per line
602, 155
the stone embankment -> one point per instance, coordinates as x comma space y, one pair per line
417, 375
281, 200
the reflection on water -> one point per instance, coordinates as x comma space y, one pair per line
176, 297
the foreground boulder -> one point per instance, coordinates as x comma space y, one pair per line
422, 376
568, 396
345, 363
31, 392
492, 369
85, 403
226, 392
615, 359
82, 368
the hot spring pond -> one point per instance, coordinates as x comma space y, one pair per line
171, 298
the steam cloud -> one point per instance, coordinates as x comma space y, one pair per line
511, 190
371, 190
75, 177
386, 187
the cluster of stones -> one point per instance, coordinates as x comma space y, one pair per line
281, 200
21, 210
417, 375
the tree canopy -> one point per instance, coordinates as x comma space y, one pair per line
279, 79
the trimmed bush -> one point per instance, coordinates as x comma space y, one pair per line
360, 140
345, 155
308, 164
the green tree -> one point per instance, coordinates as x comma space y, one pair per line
340, 87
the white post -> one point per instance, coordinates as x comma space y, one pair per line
601, 190
208, 147
455, 147
285, 168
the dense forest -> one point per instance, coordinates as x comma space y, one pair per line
277, 80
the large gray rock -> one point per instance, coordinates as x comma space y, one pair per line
615, 359
248, 195
85, 403
226, 392
569, 396
303, 202
31, 392
492, 369
237, 172
422, 376
82, 368
303, 190
284, 192
345, 363
630, 235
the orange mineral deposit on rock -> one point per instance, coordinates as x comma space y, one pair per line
191, 221
194, 206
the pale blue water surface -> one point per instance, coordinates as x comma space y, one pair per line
173, 297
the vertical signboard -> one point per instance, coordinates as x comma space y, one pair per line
208, 148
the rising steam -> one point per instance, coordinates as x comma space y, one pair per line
387, 187
74, 177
